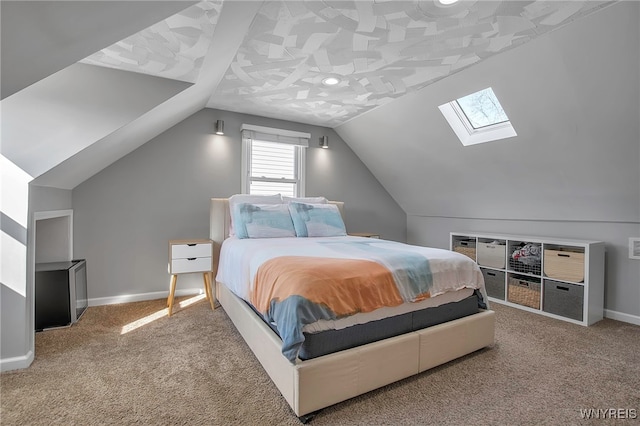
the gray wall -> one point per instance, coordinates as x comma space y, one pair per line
15, 326
52, 235
125, 215
16, 336
42, 198
573, 170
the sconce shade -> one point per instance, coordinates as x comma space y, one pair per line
220, 127
324, 142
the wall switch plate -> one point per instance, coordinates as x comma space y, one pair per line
634, 248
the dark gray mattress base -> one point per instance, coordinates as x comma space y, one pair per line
330, 341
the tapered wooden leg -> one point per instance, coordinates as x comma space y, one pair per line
172, 292
207, 289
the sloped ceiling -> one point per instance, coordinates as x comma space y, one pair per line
380, 51
174, 48
268, 58
100, 99
574, 102
40, 38
82, 149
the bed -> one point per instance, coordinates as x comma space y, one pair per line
311, 379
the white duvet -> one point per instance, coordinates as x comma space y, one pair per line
455, 275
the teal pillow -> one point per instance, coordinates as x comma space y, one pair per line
317, 220
262, 221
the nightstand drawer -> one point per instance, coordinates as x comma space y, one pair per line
185, 251
191, 264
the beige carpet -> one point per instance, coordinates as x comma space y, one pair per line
195, 369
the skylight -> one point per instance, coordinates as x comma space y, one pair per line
478, 118
482, 109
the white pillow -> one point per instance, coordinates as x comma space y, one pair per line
308, 200
262, 221
253, 199
317, 220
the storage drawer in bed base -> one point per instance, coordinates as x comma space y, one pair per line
310, 385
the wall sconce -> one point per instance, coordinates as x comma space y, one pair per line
324, 142
220, 127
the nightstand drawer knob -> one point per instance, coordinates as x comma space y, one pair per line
191, 258
191, 245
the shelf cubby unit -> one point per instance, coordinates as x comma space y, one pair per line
559, 278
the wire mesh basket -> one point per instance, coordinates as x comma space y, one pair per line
525, 257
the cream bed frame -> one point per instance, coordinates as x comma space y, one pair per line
317, 383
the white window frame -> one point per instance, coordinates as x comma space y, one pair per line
286, 136
465, 131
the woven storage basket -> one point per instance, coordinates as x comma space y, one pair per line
466, 247
524, 292
467, 251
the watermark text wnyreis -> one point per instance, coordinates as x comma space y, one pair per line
609, 413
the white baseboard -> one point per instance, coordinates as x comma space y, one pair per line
16, 363
126, 298
619, 316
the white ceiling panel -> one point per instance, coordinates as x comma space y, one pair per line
380, 50
174, 48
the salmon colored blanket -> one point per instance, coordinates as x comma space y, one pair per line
293, 291
345, 286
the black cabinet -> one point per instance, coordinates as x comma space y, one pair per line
60, 293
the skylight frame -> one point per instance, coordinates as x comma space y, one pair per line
467, 133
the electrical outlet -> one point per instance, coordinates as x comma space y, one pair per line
634, 248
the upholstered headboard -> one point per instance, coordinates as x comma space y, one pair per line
220, 220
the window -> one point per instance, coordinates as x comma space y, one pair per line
478, 118
482, 109
273, 169
273, 161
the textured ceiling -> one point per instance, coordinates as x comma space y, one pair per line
174, 48
380, 50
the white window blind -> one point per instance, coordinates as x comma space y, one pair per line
273, 163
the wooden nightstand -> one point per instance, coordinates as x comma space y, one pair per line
187, 257
364, 234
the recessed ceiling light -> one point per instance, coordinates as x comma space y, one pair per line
330, 81
447, 2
